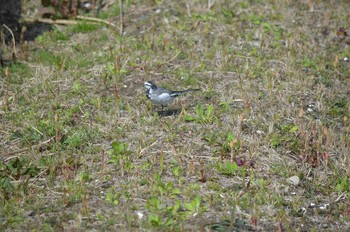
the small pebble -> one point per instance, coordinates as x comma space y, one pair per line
294, 180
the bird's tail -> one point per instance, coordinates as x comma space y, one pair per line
177, 93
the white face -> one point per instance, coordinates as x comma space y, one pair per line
148, 85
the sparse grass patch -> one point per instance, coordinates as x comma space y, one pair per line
49, 58
262, 146
83, 27
18, 70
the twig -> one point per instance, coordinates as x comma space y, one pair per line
278, 61
211, 4
34, 128
14, 152
121, 16
174, 57
238, 100
204, 157
50, 21
108, 4
341, 196
188, 9
96, 20
58, 193
243, 57
71, 22
147, 147
7, 88
13, 39
24, 149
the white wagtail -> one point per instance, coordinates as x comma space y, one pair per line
160, 96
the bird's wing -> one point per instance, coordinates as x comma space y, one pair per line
177, 93
165, 95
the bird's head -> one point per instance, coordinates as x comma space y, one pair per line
150, 85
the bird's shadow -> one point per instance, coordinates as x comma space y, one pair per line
167, 113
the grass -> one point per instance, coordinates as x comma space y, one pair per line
83, 149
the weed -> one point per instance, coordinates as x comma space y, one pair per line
193, 207
202, 115
119, 155
230, 169
113, 196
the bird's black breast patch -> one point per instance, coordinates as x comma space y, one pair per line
148, 94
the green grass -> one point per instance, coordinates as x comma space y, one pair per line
83, 28
97, 155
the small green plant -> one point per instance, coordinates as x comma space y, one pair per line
76, 86
343, 185
120, 148
308, 63
193, 207
225, 105
232, 143
18, 169
229, 145
230, 169
227, 13
165, 189
164, 212
112, 196
287, 136
116, 69
161, 216
202, 115
119, 155
79, 137
7, 189
256, 19
338, 107
169, 215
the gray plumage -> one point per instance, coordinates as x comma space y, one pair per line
160, 96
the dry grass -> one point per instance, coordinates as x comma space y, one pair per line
264, 146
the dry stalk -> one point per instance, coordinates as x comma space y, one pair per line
13, 41
121, 17
7, 107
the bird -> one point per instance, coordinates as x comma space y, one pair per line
161, 96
